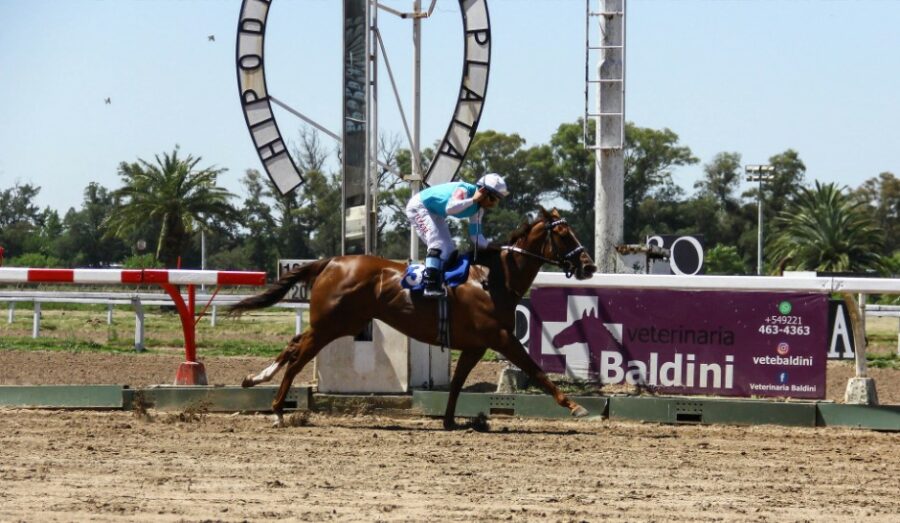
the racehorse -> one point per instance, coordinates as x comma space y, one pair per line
349, 291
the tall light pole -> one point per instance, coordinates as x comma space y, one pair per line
759, 173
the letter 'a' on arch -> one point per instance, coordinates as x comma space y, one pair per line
257, 107
255, 101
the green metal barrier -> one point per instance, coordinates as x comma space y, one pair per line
63, 396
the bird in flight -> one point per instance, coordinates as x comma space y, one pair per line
211, 38
107, 100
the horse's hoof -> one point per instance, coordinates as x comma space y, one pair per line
449, 424
579, 412
279, 422
247, 382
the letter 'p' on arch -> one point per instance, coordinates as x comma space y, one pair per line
255, 100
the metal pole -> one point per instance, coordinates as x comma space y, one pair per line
859, 337
416, 178
202, 254
36, 320
609, 161
372, 223
138, 324
759, 234
759, 173
202, 249
367, 164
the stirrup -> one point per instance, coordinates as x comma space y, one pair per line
438, 292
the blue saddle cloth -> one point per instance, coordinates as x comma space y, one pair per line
454, 275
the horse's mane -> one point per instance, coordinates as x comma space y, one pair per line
522, 230
490, 257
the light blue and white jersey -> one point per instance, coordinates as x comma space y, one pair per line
456, 199
450, 199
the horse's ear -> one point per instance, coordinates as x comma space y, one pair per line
554, 213
545, 213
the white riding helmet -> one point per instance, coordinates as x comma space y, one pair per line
494, 183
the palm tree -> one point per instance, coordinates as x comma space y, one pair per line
172, 194
826, 229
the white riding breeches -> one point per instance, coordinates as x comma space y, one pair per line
431, 228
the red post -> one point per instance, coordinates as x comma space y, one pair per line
1, 256
191, 372
190, 353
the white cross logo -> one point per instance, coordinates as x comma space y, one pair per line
576, 354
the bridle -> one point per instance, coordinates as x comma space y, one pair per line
566, 261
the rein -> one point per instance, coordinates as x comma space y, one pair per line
564, 261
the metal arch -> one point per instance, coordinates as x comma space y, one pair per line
255, 100
472, 91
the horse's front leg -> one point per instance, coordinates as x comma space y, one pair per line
467, 361
517, 355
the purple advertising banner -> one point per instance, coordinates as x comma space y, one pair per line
684, 342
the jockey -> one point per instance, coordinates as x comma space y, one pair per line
428, 210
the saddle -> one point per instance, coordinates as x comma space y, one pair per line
456, 272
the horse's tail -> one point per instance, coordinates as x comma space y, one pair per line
306, 273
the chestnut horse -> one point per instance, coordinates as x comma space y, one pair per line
349, 291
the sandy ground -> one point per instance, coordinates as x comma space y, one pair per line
114, 466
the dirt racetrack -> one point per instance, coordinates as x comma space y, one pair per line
110, 466
189, 466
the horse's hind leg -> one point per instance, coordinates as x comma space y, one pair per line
518, 356
266, 374
306, 349
465, 364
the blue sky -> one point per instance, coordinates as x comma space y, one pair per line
754, 77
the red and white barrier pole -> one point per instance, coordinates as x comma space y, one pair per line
191, 372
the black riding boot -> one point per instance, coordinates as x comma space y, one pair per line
433, 276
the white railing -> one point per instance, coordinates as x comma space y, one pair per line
135, 299
792, 283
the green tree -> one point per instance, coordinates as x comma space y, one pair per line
305, 223
788, 178
650, 194
575, 178
20, 219
826, 229
35, 259
715, 207
883, 195
174, 192
84, 243
721, 179
724, 259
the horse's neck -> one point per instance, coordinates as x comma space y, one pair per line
520, 272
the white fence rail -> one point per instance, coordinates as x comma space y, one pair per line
137, 300
797, 282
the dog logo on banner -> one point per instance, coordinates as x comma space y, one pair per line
574, 338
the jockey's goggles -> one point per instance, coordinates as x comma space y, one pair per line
492, 193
